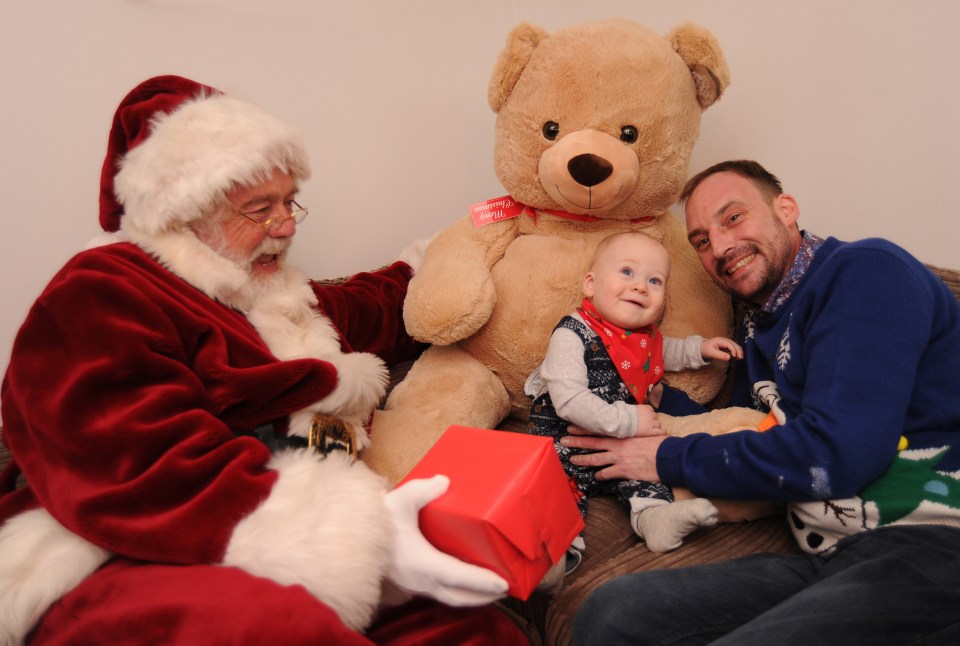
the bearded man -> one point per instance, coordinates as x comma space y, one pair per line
186, 409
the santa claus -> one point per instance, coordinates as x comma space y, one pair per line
185, 408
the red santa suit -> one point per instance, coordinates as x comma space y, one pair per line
134, 389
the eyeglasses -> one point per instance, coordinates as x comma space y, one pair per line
262, 218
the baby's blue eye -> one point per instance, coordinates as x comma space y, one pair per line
655, 281
626, 271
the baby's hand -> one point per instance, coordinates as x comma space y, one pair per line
647, 422
720, 348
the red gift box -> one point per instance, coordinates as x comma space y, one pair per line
510, 507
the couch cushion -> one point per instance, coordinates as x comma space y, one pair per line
613, 549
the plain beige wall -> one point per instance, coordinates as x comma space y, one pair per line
853, 104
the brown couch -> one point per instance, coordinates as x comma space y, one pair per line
612, 548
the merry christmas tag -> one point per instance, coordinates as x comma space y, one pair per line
500, 208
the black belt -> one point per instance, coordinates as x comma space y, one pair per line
274, 442
327, 434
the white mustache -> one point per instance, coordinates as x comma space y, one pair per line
270, 246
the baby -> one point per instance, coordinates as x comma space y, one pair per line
601, 372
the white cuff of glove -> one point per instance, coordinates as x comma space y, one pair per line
414, 252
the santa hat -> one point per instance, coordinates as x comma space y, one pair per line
176, 147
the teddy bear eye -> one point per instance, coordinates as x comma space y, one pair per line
551, 130
628, 134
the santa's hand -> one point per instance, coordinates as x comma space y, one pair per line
414, 252
420, 568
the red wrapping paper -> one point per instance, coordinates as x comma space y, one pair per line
510, 506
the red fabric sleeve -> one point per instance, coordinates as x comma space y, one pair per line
367, 310
125, 388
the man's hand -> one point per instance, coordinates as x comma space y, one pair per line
630, 458
420, 568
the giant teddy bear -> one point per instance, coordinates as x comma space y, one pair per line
595, 126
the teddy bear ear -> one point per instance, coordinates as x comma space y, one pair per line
701, 52
522, 40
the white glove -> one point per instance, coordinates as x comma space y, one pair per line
420, 568
413, 253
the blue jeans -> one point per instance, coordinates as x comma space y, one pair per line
894, 585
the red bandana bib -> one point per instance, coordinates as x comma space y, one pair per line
637, 354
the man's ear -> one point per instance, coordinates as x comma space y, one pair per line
587, 287
788, 209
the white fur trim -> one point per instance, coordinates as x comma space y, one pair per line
197, 153
197, 263
288, 322
414, 252
290, 326
325, 526
40, 561
284, 314
106, 238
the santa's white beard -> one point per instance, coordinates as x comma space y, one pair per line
216, 239
281, 305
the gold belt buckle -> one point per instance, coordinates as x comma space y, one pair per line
328, 433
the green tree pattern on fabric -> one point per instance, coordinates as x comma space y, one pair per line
907, 483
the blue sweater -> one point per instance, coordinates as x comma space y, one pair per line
864, 351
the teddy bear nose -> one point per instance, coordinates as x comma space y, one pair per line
588, 169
